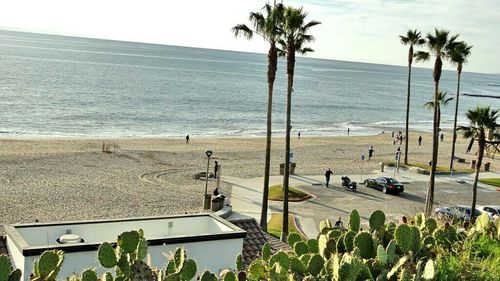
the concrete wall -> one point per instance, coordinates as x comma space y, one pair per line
210, 255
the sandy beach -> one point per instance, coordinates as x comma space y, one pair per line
71, 179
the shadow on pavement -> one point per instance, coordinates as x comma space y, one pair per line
306, 179
359, 194
412, 197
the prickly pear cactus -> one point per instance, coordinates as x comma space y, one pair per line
364, 242
281, 258
6, 272
257, 270
129, 241
325, 224
106, 255
240, 264
48, 266
293, 238
141, 271
300, 248
428, 273
377, 220
403, 236
312, 244
349, 240
391, 252
315, 264
354, 220
89, 275
208, 276
266, 251
430, 225
415, 238
229, 276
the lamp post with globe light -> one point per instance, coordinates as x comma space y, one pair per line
205, 202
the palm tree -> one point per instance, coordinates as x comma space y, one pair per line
294, 39
443, 101
481, 120
267, 26
439, 45
459, 56
412, 38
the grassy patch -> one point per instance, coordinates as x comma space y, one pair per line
294, 194
425, 166
275, 224
491, 181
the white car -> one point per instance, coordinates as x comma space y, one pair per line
493, 210
461, 212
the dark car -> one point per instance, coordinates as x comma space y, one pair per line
385, 184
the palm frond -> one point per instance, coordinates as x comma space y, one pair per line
243, 30
421, 56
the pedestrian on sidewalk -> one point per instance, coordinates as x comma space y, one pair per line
328, 173
420, 141
216, 169
339, 223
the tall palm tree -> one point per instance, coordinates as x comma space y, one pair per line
443, 101
294, 39
459, 56
439, 44
481, 120
267, 26
412, 38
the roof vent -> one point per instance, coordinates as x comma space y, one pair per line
69, 239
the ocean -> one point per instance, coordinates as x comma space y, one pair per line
58, 86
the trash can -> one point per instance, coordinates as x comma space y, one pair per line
292, 168
487, 166
206, 202
217, 203
382, 166
473, 164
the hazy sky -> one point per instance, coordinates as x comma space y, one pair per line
354, 30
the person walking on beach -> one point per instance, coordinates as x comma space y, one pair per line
328, 173
187, 138
348, 131
216, 169
442, 137
420, 141
299, 135
339, 223
370, 152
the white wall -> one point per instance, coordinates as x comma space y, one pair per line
99, 232
209, 255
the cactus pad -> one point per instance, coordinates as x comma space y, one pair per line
377, 220
240, 264
349, 240
5, 268
229, 276
403, 236
428, 273
142, 249
391, 252
281, 258
315, 265
312, 244
293, 238
297, 266
325, 224
382, 255
354, 221
48, 263
266, 251
257, 270
188, 270
89, 275
301, 248
208, 276
364, 242
430, 225
106, 255
128, 241
107, 277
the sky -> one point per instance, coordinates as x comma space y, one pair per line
351, 30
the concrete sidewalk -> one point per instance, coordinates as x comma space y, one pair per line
246, 195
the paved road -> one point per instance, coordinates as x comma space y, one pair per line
334, 202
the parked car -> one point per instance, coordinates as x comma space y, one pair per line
461, 212
493, 210
385, 184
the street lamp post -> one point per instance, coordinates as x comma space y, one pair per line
205, 203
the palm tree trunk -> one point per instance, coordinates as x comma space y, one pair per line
271, 75
455, 125
435, 143
286, 177
476, 177
407, 114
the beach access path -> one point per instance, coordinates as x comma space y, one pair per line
335, 201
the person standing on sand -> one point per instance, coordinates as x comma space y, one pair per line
442, 137
328, 173
348, 131
420, 141
216, 169
370, 152
299, 135
187, 138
